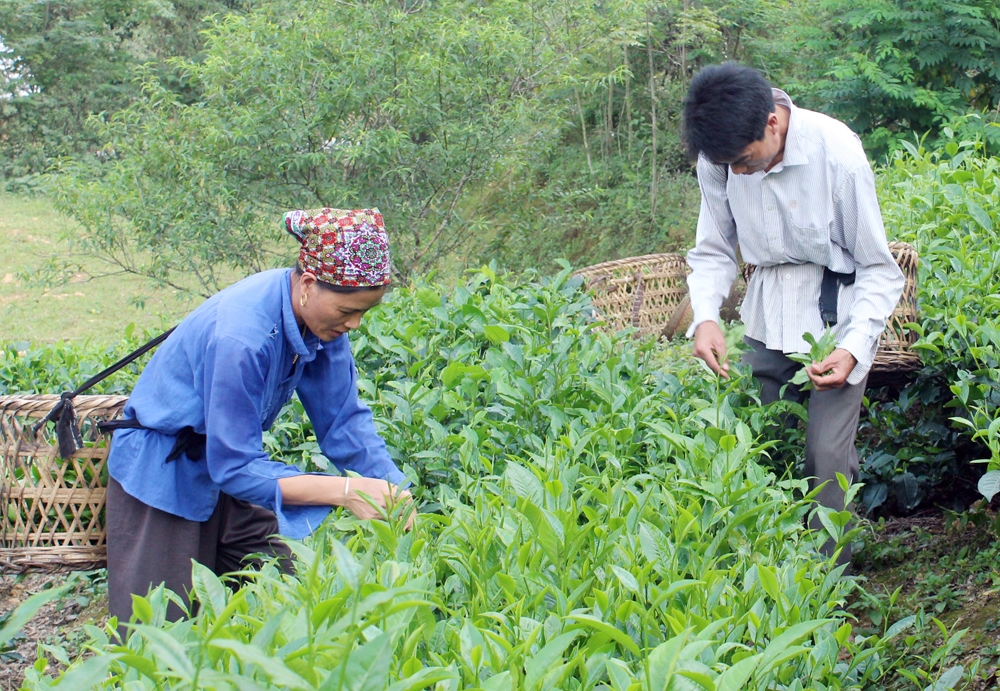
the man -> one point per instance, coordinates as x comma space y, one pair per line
795, 190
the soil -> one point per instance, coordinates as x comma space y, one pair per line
59, 623
948, 565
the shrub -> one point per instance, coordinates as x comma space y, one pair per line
595, 512
946, 202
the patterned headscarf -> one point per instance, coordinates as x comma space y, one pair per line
343, 248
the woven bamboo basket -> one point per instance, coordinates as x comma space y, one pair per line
649, 293
53, 508
895, 347
642, 292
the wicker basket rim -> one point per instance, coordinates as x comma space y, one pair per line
38, 405
630, 262
647, 259
654, 299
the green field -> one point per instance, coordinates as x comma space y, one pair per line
94, 301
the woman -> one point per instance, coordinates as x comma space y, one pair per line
189, 479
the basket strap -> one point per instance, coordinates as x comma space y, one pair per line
640, 292
66, 430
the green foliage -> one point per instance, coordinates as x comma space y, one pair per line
594, 514
523, 131
894, 67
296, 112
510, 130
819, 350
945, 202
620, 185
78, 58
912, 453
57, 367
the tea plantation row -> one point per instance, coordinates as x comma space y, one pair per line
596, 512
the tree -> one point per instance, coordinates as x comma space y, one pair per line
419, 109
77, 58
619, 184
893, 67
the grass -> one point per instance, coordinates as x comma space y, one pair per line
92, 302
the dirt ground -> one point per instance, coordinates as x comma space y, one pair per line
947, 565
59, 624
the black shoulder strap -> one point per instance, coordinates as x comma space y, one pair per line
66, 430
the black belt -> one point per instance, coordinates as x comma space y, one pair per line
828, 294
188, 441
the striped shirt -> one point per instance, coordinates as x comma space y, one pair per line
816, 208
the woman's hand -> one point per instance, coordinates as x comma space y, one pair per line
364, 497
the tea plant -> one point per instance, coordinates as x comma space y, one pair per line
946, 202
56, 367
596, 512
819, 350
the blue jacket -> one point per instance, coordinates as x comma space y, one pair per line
226, 371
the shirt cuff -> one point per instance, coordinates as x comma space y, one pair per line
254, 481
298, 521
397, 477
701, 315
863, 348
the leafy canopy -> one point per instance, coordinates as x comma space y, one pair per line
898, 66
70, 59
310, 105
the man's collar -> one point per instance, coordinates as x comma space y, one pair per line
794, 154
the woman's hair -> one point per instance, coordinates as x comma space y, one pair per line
344, 290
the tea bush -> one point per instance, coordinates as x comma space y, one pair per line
946, 202
56, 367
596, 512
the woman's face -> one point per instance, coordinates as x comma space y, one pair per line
329, 315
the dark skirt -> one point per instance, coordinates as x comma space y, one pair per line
147, 547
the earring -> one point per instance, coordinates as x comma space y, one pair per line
303, 298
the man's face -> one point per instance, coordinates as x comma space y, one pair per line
762, 154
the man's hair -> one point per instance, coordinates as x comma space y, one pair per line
725, 111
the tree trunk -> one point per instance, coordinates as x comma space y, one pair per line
653, 192
583, 127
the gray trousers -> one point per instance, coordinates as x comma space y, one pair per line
830, 432
147, 547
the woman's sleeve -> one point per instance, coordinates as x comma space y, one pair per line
234, 386
343, 424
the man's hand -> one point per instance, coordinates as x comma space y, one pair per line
381, 493
833, 372
710, 346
